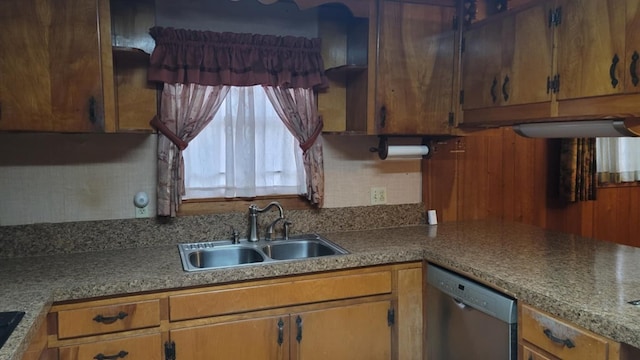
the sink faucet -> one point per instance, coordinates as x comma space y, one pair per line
254, 210
285, 224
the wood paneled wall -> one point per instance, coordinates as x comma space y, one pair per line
496, 174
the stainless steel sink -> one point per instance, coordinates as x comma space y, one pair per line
224, 254
301, 249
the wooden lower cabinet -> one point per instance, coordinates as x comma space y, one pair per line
350, 332
546, 337
372, 313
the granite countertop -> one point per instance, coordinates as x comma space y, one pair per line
584, 281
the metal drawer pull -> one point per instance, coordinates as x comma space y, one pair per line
494, 97
280, 332
565, 342
612, 70
299, 325
110, 319
505, 94
633, 68
119, 355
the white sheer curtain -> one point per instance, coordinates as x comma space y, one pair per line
618, 159
245, 151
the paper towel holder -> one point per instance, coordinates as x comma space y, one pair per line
383, 147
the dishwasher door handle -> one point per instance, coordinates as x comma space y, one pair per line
460, 304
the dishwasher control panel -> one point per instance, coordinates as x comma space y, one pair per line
466, 292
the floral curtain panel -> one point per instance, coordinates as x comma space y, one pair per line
297, 109
211, 59
578, 169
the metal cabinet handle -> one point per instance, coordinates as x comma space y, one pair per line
280, 332
633, 68
505, 94
494, 97
612, 70
565, 342
122, 354
110, 319
383, 116
92, 110
299, 326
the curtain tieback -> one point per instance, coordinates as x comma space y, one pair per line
158, 125
312, 139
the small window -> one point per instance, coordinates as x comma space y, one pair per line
618, 160
246, 151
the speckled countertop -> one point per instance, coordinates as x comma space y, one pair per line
584, 281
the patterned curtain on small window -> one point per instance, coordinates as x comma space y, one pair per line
578, 177
210, 62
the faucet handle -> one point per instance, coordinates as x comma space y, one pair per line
286, 226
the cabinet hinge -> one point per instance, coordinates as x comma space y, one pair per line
391, 316
170, 350
451, 119
454, 24
461, 98
555, 17
553, 84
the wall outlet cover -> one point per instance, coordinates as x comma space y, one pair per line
142, 212
378, 195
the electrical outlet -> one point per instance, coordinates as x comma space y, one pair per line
142, 212
378, 195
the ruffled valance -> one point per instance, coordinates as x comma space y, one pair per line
212, 58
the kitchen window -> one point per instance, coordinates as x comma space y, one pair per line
617, 161
246, 151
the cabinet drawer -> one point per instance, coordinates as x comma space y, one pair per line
147, 347
107, 319
250, 298
560, 338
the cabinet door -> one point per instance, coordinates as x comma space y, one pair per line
527, 56
256, 339
482, 65
25, 88
355, 332
50, 75
414, 83
507, 61
632, 85
591, 48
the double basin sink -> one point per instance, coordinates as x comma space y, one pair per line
225, 253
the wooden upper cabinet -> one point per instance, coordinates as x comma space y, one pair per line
592, 60
507, 60
415, 68
50, 70
57, 70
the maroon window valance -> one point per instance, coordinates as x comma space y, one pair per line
212, 58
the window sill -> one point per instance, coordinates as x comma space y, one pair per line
618, 185
223, 205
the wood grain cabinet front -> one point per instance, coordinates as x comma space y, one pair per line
108, 319
368, 313
415, 69
57, 69
147, 347
561, 339
506, 67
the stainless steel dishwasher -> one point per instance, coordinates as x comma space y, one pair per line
466, 320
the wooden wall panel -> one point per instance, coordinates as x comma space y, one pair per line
498, 175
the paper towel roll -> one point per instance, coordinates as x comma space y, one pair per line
407, 151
